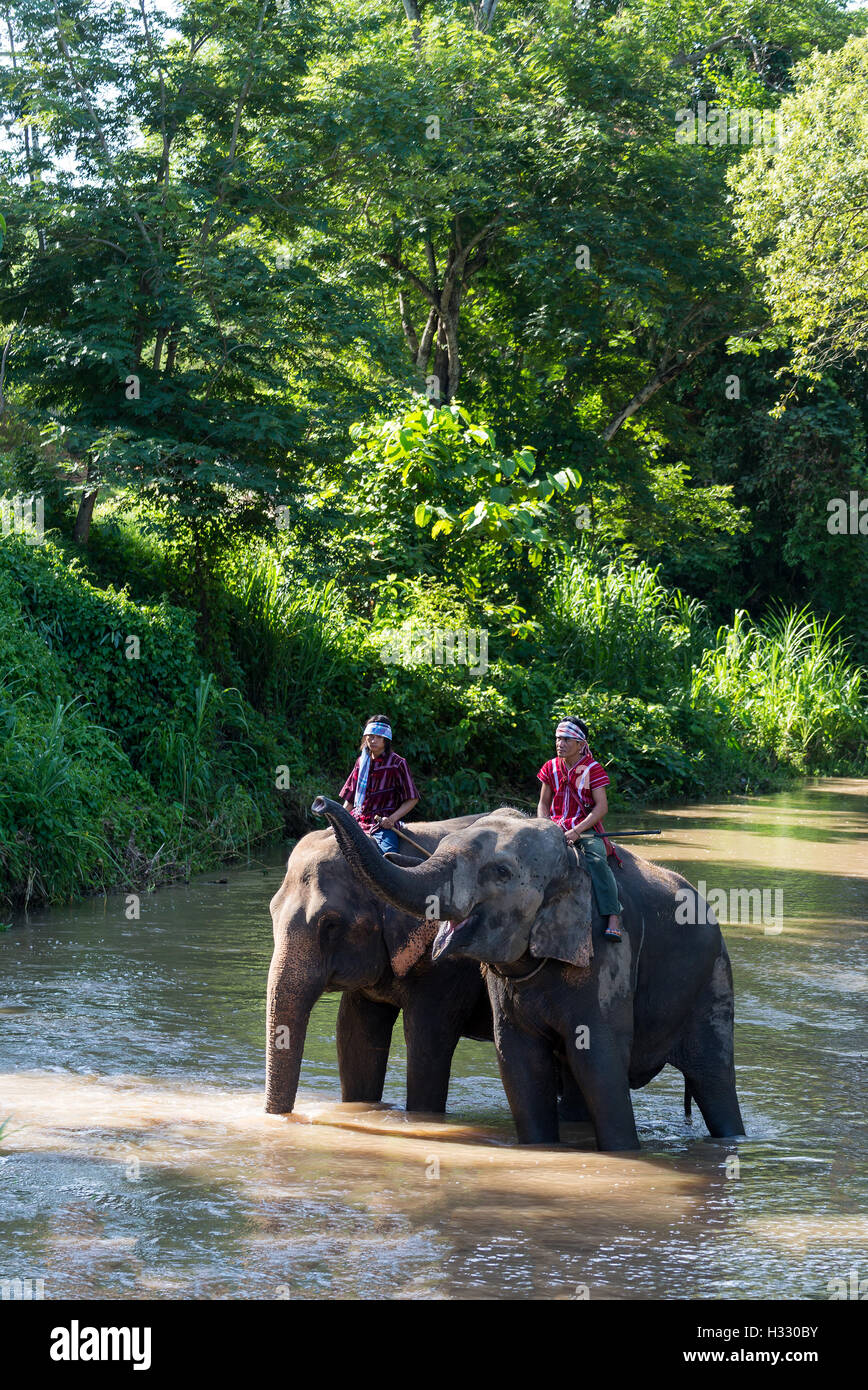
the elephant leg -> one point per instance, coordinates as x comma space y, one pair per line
704, 1055
572, 1107
713, 1089
601, 1074
530, 1079
431, 1042
364, 1034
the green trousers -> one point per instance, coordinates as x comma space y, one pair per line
602, 878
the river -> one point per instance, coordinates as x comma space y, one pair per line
137, 1161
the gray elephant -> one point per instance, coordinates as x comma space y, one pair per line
511, 893
332, 933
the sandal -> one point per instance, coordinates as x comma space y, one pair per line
613, 933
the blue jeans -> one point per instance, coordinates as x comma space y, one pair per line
385, 840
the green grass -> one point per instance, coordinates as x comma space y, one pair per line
625, 629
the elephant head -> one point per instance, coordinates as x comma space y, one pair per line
504, 885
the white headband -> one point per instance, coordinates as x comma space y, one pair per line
568, 728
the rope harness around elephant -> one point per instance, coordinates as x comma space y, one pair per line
519, 979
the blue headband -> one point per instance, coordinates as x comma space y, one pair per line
384, 730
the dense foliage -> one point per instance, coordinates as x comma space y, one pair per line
327, 329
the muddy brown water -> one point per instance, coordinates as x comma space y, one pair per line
138, 1162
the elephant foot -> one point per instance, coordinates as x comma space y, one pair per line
619, 1145
529, 1135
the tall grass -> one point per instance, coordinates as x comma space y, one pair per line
791, 685
43, 794
624, 630
291, 640
79, 809
787, 685
203, 788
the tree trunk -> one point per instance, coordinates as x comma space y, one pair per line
453, 356
81, 530
441, 363
444, 299
158, 348
174, 339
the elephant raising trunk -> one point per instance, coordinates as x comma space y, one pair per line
431, 890
332, 935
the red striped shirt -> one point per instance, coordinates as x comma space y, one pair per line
389, 786
572, 789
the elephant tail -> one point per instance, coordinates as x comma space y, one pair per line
688, 1114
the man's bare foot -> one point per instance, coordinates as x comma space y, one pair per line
613, 928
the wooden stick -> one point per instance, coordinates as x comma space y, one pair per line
404, 836
622, 834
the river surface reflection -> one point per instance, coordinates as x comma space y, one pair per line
138, 1161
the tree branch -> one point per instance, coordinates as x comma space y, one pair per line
402, 269
683, 59
432, 262
427, 342
486, 14
457, 268
6, 346
409, 331
671, 367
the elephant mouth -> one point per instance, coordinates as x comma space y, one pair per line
446, 934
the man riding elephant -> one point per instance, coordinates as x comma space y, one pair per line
573, 795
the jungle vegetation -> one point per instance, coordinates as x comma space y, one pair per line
330, 328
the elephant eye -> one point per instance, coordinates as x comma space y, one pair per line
496, 873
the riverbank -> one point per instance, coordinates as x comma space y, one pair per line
145, 736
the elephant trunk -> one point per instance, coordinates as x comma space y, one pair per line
290, 1002
426, 890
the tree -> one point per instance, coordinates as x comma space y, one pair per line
172, 310
803, 212
438, 141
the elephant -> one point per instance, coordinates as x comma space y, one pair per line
511, 893
331, 933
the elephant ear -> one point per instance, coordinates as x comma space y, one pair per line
562, 930
406, 940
